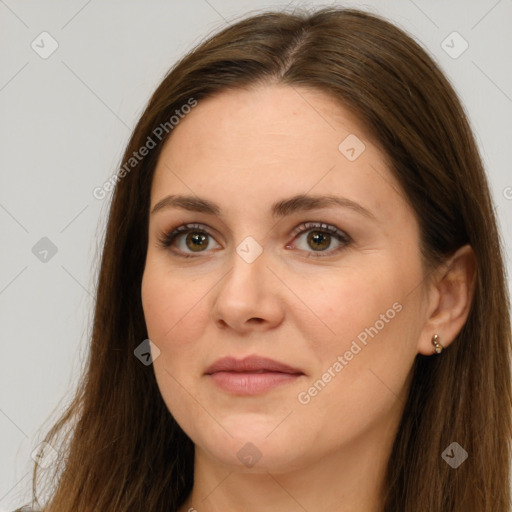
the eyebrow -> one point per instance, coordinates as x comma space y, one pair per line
297, 203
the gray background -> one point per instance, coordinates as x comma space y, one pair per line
64, 122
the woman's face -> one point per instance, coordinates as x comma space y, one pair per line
332, 288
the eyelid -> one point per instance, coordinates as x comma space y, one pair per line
166, 238
320, 226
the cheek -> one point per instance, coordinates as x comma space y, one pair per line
157, 302
168, 301
346, 304
361, 373
175, 312
369, 318
171, 321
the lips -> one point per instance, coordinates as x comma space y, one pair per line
250, 364
252, 375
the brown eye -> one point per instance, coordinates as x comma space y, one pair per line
319, 240
196, 241
186, 240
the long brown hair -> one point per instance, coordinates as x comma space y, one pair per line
121, 449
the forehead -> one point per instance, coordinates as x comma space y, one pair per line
270, 142
264, 119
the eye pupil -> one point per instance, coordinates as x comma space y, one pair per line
317, 237
197, 239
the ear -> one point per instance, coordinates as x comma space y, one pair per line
449, 299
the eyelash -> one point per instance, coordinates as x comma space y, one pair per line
167, 238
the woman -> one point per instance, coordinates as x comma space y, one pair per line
301, 302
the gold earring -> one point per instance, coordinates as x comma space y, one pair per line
435, 341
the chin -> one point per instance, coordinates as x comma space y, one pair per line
256, 448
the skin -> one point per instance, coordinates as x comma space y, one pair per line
245, 150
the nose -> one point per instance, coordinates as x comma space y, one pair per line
249, 296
